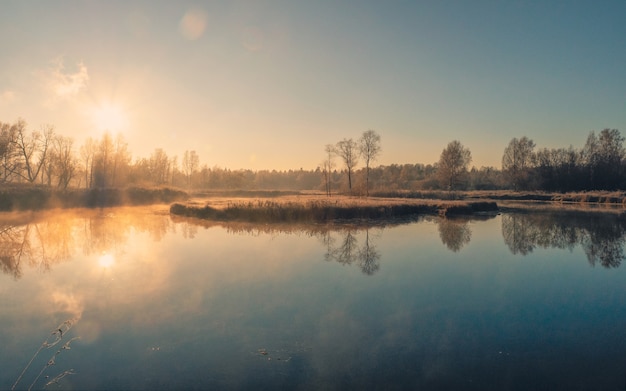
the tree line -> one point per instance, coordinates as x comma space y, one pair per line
599, 165
48, 158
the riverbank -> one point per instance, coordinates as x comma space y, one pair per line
22, 197
587, 198
29, 197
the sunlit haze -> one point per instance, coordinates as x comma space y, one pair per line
267, 84
106, 260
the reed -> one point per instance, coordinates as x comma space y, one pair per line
52, 340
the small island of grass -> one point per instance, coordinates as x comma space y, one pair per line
323, 210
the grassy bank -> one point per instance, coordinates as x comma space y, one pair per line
590, 197
16, 198
310, 209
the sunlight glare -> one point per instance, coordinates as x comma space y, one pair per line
106, 260
109, 117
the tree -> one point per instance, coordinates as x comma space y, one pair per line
517, 162
87, 154
8, 152
328, 164
191, 162
453, 164
602, 156
347, 150
103, 160
33, 150
558, 169
121, 160
369, 147
64, 162
611, 157
159, 167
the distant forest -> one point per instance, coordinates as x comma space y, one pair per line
46, 158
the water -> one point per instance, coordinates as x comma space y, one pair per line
507, 302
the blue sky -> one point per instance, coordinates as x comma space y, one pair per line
266, 84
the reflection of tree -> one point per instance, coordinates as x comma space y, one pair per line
328, 240
348, 252
369, 256
52, 237
341, 242
35, 243
454, 233
519, 234
604, 244
14, 244
105, 231
55, 241
602, 237
189, 231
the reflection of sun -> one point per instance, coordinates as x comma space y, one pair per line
106, 260
109, 117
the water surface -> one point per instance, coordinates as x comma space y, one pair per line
507, 302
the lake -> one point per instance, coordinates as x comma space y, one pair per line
131, 298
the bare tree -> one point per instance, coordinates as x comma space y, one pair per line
453, 164
87, 154
173, 169
191, 162
369, 147
159, 167
8, 152
64, 160
327, 167
120, 160
103, 161
347, 150
32, 150
518, 160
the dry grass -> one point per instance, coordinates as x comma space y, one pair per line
312, 208
587, 197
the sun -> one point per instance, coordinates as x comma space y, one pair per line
109, 117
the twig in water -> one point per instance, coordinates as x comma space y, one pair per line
59, 377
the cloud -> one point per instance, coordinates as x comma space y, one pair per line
193, 24
66, 84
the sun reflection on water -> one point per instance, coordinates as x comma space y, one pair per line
106, 261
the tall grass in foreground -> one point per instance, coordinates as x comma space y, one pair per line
52, 340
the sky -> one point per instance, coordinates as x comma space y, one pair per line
267, 84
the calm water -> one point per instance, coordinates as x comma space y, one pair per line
511, 302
